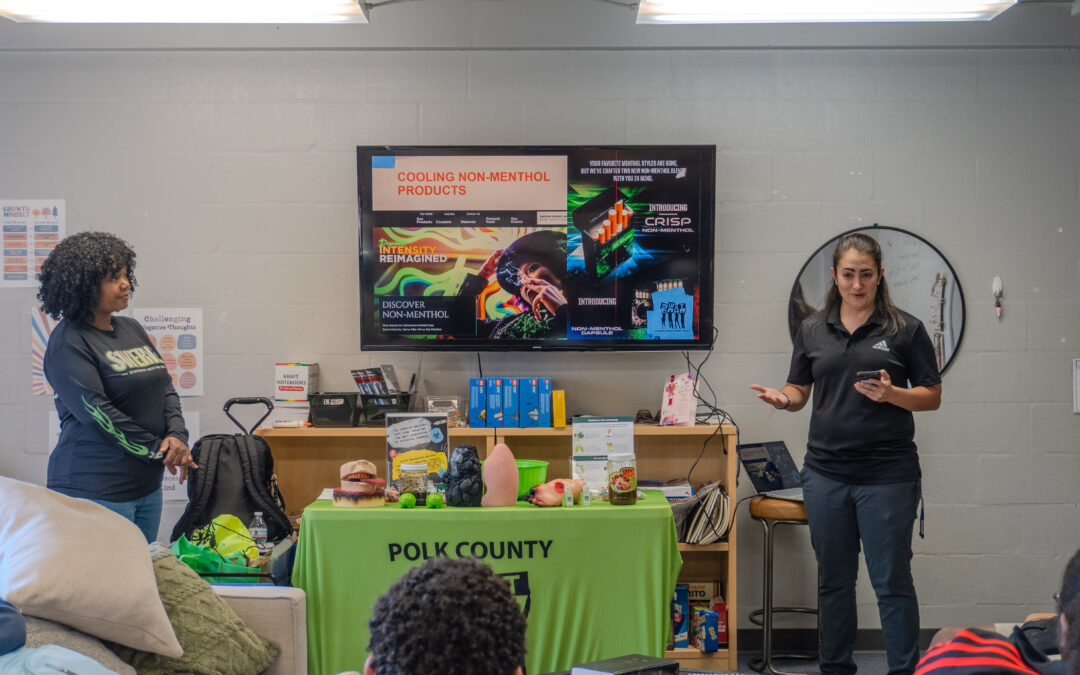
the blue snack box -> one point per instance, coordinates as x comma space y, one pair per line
680, 616
477, 402
708, 623
494, 402
545, 402
529, 403
511, 393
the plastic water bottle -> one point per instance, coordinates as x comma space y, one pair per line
258, 533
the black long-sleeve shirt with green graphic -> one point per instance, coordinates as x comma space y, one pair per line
116, 404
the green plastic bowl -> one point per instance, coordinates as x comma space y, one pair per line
531, 472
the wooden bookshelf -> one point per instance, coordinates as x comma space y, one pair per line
307, 460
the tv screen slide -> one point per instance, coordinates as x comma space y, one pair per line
551, 247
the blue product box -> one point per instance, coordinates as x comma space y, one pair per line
529, 404
680, 616
708, 623
494, 402
545, 402
511, 395
477, 402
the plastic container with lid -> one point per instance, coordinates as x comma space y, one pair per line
414, 480
622, 479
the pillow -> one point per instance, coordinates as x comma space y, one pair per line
78, 563
41, 632
215, 639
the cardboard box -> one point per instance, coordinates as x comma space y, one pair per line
494, 402
720, 607
511, 395
704, 591
529, 403
295, 381
706, 632
477, 402
546, 416
680, 616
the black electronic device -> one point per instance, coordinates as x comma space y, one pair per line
868, 375
631, 664
479, 248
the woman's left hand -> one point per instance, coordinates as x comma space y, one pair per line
877, 390
177, 456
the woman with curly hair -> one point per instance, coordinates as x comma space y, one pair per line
120, 418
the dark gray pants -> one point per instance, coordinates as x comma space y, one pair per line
882, 516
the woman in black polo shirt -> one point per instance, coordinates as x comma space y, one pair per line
861, 471
120, 418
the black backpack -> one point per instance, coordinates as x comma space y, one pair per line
235, 476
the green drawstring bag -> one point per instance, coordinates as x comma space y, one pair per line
205, 560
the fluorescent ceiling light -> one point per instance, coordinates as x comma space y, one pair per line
816, 11
184, 11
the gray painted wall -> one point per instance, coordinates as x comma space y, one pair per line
233, 174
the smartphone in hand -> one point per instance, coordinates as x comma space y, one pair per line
868, 375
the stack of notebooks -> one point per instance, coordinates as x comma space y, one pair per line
676, 489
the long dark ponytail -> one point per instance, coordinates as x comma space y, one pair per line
892, 321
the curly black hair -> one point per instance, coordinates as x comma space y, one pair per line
450, 616
72, 274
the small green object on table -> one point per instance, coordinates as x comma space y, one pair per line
434, 501
407, 500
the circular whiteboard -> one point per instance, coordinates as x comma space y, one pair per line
921, 282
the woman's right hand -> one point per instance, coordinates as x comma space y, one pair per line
773, 397
538, 292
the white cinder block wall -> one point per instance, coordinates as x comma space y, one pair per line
233, 174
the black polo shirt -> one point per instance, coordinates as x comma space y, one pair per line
852, 438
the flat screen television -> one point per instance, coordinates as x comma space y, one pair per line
536, 247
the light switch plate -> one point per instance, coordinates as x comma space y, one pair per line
1076, 385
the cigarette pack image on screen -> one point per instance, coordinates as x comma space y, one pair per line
536, 247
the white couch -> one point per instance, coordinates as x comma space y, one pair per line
278, 613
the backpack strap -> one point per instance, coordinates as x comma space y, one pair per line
200, 484
253, 451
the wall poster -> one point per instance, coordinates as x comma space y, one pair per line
177, 334
30, 229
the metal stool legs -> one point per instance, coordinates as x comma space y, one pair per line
764, 617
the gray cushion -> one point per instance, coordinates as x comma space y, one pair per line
41, 632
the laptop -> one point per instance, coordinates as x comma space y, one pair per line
771, 470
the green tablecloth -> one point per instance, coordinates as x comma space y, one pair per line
597, 580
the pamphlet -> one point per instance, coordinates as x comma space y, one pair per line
416, 438
678, 404
603, 436
594, 438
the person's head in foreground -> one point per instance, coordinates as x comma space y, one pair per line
448, 616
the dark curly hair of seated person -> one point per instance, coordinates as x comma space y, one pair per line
72, 274
449, 616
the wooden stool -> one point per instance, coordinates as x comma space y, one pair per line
772, 513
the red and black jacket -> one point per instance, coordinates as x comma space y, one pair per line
978, 652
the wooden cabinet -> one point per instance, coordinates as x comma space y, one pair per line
307, 460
